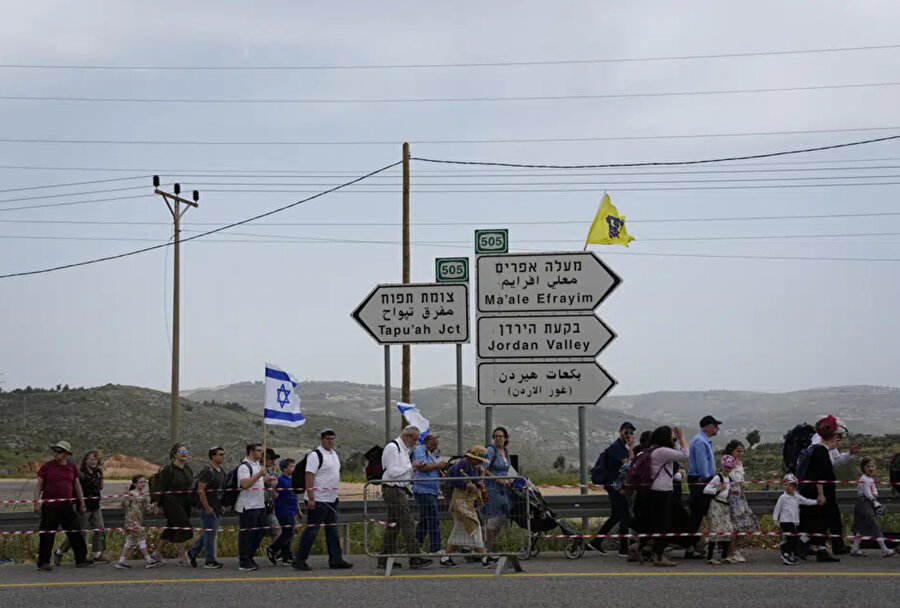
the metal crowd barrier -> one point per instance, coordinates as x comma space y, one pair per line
375, 509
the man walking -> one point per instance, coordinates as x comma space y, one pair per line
210, 482
617, 454
396, 493
323, 476
57, 481
251, 506
425, 488
701, 469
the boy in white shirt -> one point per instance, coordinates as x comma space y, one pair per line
787, 514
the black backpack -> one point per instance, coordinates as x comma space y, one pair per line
599, 474
230, 488
374, 468
796, 441
894, 472
298, 479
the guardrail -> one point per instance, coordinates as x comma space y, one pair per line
355, 511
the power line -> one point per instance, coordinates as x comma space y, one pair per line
95, 181
198, 236
546, 222
482, 99
71, 203
547, 62
442, 141
63, 194
663, 163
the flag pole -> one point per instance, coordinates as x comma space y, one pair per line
591, 227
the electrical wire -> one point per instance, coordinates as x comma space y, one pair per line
70, 203
452, 65
161, 142
418, 100
204, 234
95, 181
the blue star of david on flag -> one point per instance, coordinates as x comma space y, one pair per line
282, 403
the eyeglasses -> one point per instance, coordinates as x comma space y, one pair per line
182, 452
628, 433
59, 451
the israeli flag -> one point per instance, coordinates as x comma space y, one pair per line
282, 404
415, 418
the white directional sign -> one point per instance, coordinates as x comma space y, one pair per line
542, 336
416, 313
542, 282
557, 383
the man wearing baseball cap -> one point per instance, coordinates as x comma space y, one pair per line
57, 482
701, 468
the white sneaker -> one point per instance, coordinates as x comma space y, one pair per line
888, 553
733, 560
740, 559
714, 561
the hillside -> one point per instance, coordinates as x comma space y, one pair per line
135, 421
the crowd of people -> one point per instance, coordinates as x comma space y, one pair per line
643, 478
807, 512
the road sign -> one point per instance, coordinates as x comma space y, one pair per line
542, 336
543, 282
416, 313
451, 270
491, 241
557, 383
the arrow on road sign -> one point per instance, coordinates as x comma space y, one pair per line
416, 313
557, 383
542, 336
543, 282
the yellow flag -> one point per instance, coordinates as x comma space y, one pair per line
608, 227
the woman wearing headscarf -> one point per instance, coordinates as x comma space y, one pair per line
814, 520
466, 530
175, 482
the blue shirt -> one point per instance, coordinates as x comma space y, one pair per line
701, 455
425, 487
462, 468
286, 503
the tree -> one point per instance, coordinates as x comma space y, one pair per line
753, 438
560, 463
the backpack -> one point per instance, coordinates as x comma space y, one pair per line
298, 479
803, 460
231, 488
599, 475
153, 486
894, 472
796, 441
375, 470
619, 482
638, 476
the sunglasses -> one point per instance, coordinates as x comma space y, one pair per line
182, 452
629, 433
59, 451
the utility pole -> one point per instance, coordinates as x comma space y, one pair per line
174, 202
405, 363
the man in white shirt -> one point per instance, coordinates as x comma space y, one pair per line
323, 476
398, 472
251, 506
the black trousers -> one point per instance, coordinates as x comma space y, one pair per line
52, 517
791, 540
619, 515
836, 530
699, 500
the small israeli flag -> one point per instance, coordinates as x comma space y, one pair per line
282, 404
415, 418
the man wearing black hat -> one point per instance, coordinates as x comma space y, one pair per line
618, 453
702, 467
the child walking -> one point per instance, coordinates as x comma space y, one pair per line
787, 514
286, 509
866, 511
719, 514
136, 503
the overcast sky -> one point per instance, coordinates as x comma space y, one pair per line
683, 321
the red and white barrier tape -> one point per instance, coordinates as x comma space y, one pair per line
885, 484
24, 501
295, 526
716, 535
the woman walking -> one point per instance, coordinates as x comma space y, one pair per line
814, 520
175, 481
496, 509
657, 502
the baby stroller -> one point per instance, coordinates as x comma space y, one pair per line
529, 511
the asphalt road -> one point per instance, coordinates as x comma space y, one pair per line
549, 580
